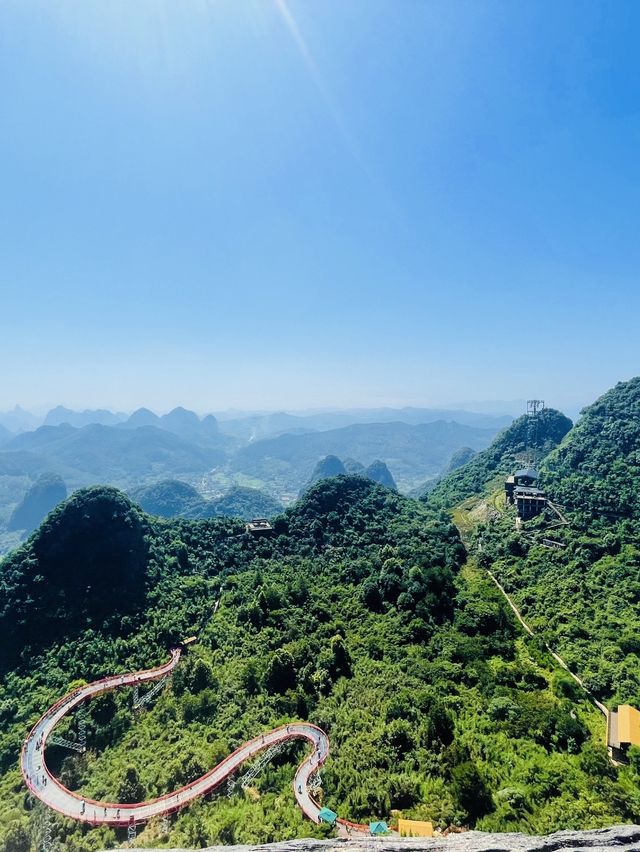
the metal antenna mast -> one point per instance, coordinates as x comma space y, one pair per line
534, 407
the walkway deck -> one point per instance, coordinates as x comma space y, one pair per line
46, 787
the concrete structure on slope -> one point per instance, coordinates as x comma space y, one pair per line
623, 730
259, 526
520, 490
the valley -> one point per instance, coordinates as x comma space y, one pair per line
228, 472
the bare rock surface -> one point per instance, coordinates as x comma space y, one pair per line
597, 840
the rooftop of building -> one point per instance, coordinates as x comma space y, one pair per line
526, 472
628, 724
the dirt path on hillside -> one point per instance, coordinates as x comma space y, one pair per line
601, 707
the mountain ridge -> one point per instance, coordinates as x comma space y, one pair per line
524, 436
413, 452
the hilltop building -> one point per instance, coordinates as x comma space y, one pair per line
623, 730
259, 526
520, 490
525, 478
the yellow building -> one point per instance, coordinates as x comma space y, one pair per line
415, 828
623, 728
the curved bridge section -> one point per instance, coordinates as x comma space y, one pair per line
46, 787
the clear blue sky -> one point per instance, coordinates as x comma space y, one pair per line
265, 204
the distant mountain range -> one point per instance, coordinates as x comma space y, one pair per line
180, 421
98, 453
251, 427
258, 426
413, 454
19, 420
59, 415
5, 434
256, 462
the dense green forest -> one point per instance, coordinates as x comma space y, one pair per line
361, 614
584, 598
171, 498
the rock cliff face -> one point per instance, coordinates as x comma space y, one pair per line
598, 840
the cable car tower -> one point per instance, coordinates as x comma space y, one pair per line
528, 457
534, 408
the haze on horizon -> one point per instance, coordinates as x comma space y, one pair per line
274, 204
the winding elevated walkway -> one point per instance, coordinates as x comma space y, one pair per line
46, 787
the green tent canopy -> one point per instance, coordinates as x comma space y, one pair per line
327, 815
378, 828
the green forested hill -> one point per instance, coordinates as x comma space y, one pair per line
168, 498
85, 567
325, 468
501, 457
171, 498
358, 614
380, 473
597, 471
330, 466
240, 502
585, 597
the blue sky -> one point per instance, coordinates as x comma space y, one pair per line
266, 204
